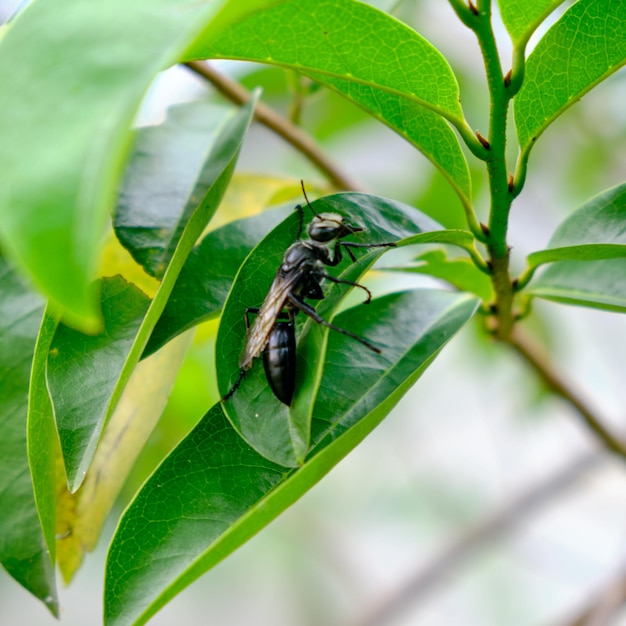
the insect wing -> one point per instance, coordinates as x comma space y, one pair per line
266, 317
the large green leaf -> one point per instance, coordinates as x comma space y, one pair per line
339, 38
599, 284
459, 272
379, 63
208, 274
84, 513
87, 373
597, 230
521, 17
72, 80
584, 46
268, 425
44, 453
167, 176
214, 492
421, 127
84, 373
23, 550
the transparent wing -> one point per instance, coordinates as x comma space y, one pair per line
266, 317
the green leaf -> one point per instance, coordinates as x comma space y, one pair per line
214, 492
427, 319
268, 425
198, 294
84, 373
72, 81
379, 63
23, 551
460, 273
44, 452
312, 35
521, 17
421, 127
87, 374
452, 236
584, 47
140, 407
595, 231
599, 285
166, 179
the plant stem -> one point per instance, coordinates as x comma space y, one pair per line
463, 11
501, 194
281, 126
531, 354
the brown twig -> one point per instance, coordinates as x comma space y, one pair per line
601, 610
277, 123
532, 355
483, 534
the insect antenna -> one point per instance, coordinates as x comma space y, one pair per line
307, 199
301, 210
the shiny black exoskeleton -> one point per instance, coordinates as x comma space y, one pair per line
299, 276
279, 360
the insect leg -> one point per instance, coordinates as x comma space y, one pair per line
234, 388
352, 244
339, 281
347, 245
315, 316
351, 254
246, 313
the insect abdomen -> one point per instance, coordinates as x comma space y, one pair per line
279, 359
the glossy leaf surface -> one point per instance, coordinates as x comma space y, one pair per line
599, 284
376, 50
521, 17
84, 372
459, 272
84, 513
378, 62
420, 126
214, 492
23, 550
72, 81
582, 48
595, 231
44, 452
87, 374
267, 424
166, 179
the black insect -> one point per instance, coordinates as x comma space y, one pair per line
299, 277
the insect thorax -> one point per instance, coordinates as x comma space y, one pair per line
305, 255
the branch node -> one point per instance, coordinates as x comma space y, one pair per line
483, 141
511, 183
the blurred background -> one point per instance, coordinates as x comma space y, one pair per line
481, 500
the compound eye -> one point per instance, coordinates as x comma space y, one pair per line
323, 232
326, 227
